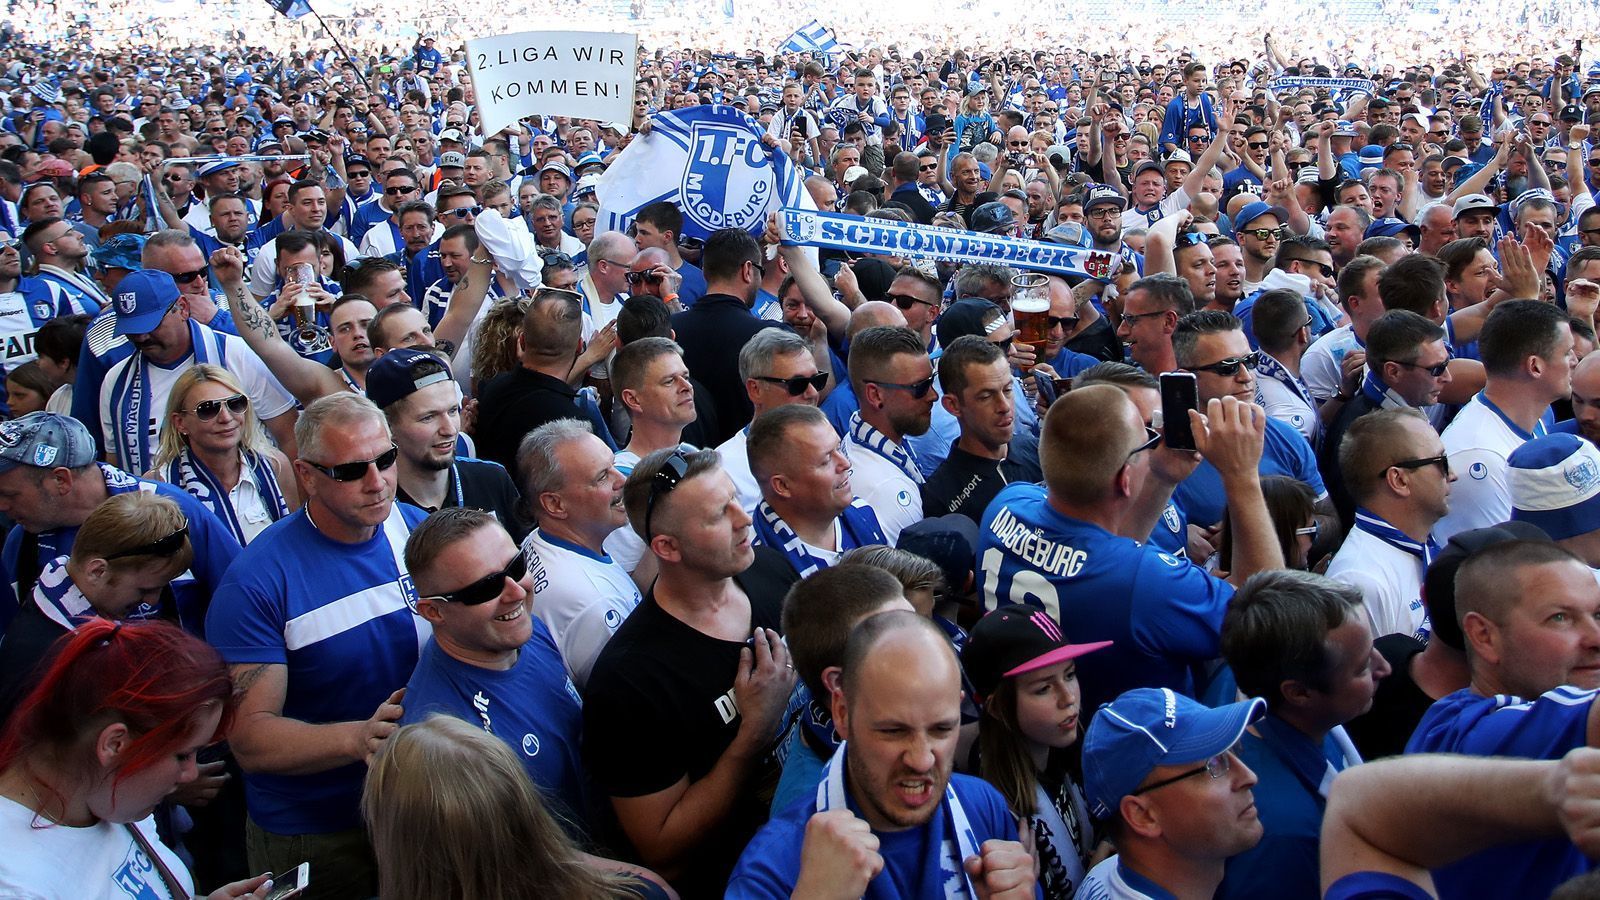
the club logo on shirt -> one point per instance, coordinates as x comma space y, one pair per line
408, 589
133, 877
1169, 517
1582, 475
42, 309
1478, 471
530, 744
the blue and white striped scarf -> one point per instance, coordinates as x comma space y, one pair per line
131, 405
191, 474
877, 442
858, 527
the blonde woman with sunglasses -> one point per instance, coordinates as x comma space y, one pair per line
212, 446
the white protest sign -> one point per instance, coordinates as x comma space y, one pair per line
584, 74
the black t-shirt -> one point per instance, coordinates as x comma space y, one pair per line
23, 650
659, 708
482, 485
1398, 705
965, 483
1098, 340
516, 402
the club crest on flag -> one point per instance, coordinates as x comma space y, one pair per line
728, 181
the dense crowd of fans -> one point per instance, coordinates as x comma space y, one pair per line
378, 519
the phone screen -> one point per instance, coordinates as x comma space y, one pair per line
1179, 394
291, 883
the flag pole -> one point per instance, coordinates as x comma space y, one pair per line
360, 71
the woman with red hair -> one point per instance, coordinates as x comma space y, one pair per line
111, 729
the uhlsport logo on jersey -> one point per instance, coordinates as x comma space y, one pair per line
729, 179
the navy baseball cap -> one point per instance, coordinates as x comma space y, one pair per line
394, 376
1389, 226
970, 315
1255, 210
1439, 583
1150, 727
142, 301
45, 440
948, 541
1097, 194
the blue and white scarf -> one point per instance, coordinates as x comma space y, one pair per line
131, 405
190, 473
875, 441
858, 527
1381, 395
1373, 524
1271, 368
938, 868
59, 598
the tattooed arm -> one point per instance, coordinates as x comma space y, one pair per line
306, 379
264, 740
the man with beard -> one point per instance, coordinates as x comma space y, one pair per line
921, 829
422, 402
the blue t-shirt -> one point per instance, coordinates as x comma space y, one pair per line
1171, 534
1546, 728
533, 707
694, 284
214, 551
1374, 886
1321, 324
1163, 614
1286, 452
340, 617
770, 864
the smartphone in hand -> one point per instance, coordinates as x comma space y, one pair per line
1179, 394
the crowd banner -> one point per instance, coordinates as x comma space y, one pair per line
1336, 87
836, 231
584, 74
711, 162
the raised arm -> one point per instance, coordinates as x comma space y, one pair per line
306, 379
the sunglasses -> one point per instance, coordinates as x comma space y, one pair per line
400, 189
906, 301
672, 472
644, 278
1066, 323
1442, 461
1264, 234
1152, 437
1439, 134
359, 173
798, 384
932, 167
206, 410
917, 389
167, 546
1230, 366
1324, 268
489, 586
1200, 139
1435, 371
188, 277
462, 212
355, 471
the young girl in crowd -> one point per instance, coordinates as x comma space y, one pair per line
1022, 670
212, 446
452, 813
111, 730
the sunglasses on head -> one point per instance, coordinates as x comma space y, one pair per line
206, 410
917, 389
1230, 366
798, 384
166, 546
355, 471
489, 586
672, 472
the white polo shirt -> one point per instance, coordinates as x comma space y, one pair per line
1390, 581
1478, 442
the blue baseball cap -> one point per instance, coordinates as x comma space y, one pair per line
1150, 727
1255, 210
45, 440
1371, 156
1389, 226
1555, 484
121, 251
215, 166
142, 301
